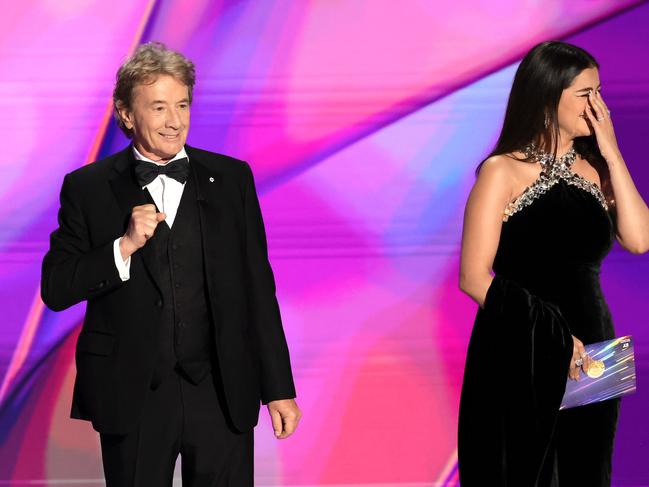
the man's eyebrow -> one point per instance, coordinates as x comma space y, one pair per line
184, 100
588, 88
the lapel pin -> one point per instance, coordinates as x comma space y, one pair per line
211, 180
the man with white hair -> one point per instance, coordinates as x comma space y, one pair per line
182, 338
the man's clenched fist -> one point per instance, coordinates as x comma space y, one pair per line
144, 220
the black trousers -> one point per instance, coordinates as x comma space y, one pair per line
180, 418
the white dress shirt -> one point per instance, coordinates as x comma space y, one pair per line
166, 193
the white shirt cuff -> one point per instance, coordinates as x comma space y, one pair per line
123, 266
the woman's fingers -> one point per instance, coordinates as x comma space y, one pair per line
596, 110
599, 117
578, 360
600, 101
574, 371
580, 349
587, 362
583, 356
592, 118
601, 110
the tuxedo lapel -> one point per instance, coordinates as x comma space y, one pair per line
129, 194
208, 195
123, 184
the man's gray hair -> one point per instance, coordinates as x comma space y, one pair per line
145, 65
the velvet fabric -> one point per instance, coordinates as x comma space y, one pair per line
546, 288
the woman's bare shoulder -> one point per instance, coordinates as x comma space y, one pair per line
502, 167
505, 174
495, 179
515, 169
506, 160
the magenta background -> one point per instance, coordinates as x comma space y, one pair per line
363, 122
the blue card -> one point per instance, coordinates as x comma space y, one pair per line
612, 374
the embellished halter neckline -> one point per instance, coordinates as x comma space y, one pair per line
553, 170
547, 159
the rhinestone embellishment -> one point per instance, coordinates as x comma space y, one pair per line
551, 173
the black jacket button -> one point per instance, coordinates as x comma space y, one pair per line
158, 303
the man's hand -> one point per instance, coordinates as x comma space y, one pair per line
144, 220
285, 415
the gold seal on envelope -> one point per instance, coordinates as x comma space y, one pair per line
596, 369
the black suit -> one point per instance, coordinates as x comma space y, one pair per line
116, 351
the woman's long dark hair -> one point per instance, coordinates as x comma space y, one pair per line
531, 116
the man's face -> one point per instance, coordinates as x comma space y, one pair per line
158, 117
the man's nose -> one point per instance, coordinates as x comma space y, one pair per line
173, 119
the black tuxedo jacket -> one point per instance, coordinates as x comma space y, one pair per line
116, 349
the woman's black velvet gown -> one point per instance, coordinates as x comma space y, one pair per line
546, 288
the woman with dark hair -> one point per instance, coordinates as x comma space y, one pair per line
544, 211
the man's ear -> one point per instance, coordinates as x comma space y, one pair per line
125, 115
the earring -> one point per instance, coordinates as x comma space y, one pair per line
546, 122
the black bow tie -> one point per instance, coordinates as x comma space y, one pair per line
145, 172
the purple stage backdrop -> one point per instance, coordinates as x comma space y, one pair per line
363, 122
